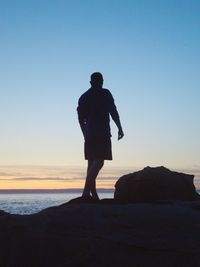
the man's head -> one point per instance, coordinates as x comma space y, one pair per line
96, 79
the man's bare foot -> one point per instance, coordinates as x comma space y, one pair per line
95, 197
86, 196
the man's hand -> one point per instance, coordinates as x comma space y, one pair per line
120, 134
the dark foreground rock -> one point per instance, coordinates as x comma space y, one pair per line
155, 184
99, 235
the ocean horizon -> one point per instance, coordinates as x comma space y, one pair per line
32, 200
52, 191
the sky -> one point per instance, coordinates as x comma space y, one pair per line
148, 52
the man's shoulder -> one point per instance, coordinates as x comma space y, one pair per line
90, 93
85, 94
106, 92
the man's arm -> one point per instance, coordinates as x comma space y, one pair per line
116, 119
82, 125
115, 116
120, 131
81, 118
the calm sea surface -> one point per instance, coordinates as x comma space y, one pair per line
29, 203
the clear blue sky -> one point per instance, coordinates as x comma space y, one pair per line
149, 54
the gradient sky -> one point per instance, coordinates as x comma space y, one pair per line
149, 54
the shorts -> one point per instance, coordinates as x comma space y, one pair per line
98, 148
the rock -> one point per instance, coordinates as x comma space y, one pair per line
103, 235
83, 200
90, 200
155, 184
3, 213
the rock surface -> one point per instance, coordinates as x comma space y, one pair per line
85, 232
102, 235
155, 184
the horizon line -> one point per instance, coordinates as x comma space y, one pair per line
61, 190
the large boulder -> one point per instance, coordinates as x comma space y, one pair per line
155, 184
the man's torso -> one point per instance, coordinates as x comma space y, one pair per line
94, 105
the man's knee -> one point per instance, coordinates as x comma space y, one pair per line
99, 164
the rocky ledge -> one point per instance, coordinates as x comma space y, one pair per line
152, 230
99, 234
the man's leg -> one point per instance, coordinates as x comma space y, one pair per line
94, 166
86, 190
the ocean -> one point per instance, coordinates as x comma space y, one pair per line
25, 203
32, 202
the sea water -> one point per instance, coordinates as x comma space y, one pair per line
29, 203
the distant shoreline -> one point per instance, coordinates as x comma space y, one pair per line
37, 191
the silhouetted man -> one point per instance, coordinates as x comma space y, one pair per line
94, 109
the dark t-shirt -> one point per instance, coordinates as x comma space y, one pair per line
94, 107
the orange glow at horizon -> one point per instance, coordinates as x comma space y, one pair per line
51, 177
63, 177
9, 185
39, 185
